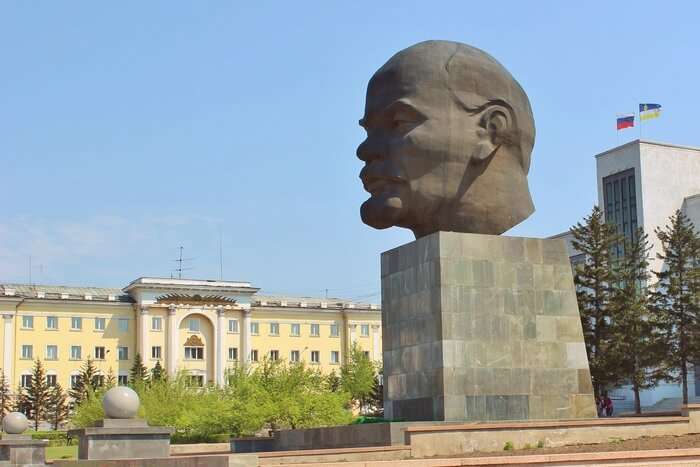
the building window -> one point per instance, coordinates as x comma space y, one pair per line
51, 380
335, 357
51, 352
294, 356
156, 323
193, 325
253, 355
315, 356
155, 352
76, 352
195, 381
620, 200
335, 330
296, 329
274, 355
194, 353
233, 354
99, 353
364, 330
254, 328
366, 354
99, 324
51, 322
122, 380
27, 322
27, 352
123, 325
98, 381
26, 381
233, 325
123, 353
274, 329
315, 330
74, 381
76, 323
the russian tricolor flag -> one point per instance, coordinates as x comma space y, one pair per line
626, 121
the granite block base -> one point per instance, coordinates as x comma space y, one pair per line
22, 452
122, 439
482, 328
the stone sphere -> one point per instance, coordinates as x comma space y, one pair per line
121, 402
15, 423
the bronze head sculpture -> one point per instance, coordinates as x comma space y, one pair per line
449, 138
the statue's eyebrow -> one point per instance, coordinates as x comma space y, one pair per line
392, 107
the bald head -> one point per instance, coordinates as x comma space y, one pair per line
442, 118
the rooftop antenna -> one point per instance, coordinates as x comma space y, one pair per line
180, 261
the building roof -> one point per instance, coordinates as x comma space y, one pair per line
333, 303
58, 292
645, 141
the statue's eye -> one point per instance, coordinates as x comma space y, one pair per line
405, 118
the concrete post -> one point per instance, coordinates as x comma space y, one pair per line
172, 351
220, 346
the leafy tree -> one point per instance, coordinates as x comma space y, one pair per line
5, 396
376, 398
87, 382
138, 373
357, 376
635, 346
57, 409
333, 382
675, 300
110, 380
37, 394
157, 372
594, 280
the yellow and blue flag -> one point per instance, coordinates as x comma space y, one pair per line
648, 111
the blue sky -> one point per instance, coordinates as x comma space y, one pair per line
131, 128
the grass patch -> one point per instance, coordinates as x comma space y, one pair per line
61, 452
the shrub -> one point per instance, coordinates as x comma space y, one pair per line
508, 446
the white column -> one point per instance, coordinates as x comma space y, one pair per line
172, 351
245, 337
353, 334
143, 326
220, 346
375, 342
8, 356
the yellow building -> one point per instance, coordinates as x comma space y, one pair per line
203, 326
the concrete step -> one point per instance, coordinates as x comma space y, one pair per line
323, 456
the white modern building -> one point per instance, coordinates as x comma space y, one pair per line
641, 184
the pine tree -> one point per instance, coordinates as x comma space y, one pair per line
675, 300
87, 382
110, 380
157, 373
594, 280
38, 394
139, 372
20, 402
57, 409
635, 347
5, 396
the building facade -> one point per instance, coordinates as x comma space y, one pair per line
642, 184
202, 326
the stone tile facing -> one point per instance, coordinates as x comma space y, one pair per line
482, 327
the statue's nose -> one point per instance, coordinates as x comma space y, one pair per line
368, 151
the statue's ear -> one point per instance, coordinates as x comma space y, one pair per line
495, 128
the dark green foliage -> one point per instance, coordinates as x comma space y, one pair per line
87, 383
635, 344
357, 376
5, 396
110, 380
594, 281
57, 408
20, 401
37, 395
138, 373
675, 301
157, 372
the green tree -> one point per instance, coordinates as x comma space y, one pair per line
357, 376
20, 401
87, 382
376, 398
157, 372
138, 373
675, 300
110, 380
57, 409
635, 344
333, 382
37, 394
595, 279
5, 396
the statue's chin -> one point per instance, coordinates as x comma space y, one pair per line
381, 212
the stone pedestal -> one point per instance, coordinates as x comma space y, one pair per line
22, 450
123, 439
482, 327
